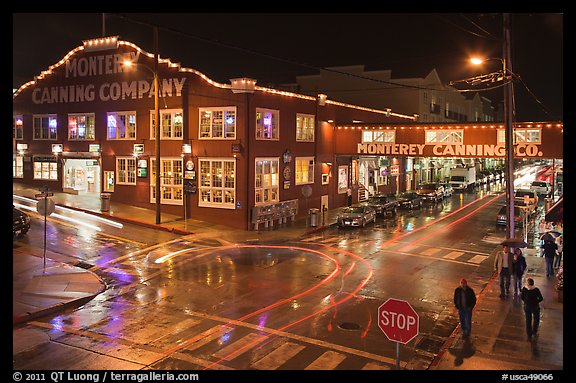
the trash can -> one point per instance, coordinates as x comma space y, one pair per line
105, 201
313, 214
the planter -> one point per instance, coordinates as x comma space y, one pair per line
560, 296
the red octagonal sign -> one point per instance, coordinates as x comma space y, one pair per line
398, 320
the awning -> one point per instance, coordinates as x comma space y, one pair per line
556, 212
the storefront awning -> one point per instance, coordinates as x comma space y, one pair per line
556, 212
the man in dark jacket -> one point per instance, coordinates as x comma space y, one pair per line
549, 248
532, 297
465, 300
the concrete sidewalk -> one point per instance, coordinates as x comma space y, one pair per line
498, 340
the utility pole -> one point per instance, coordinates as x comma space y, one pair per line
509, 129
157, 119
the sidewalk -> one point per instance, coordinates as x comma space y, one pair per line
498, 340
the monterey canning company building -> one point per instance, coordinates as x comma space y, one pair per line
236, 154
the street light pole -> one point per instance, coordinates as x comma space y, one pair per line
157, 119
508, 112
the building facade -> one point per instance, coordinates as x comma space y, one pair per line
236, 154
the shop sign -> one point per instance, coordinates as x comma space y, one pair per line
142, 172
138, 148
94, 148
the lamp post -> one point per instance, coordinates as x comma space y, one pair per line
508, 139
157, 130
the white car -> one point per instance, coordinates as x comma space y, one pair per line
531, 194
541, 187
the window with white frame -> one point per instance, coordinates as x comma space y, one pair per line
305, 127
121, 125
45, 170
217, 183
171, 124
18, 129
266, 180
45, 127
171, 181
81, 127
267, 124
385, 136
304, 170
126, 170
444, 136
217, 123
18, 166
522, 136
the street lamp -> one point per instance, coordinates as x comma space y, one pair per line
509, 132
154, 72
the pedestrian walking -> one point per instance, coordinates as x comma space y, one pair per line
465, 300
531, 296
549, 248
518, 268
349, 196
558, 258
502, 264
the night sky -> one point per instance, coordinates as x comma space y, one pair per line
273, 48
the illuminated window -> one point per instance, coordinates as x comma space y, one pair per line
444, 136
217, 123
267, 122
533, 136
305, 127
81, 127
45, 169
45, 127
126, 170
171, 125
266, 180
171, 181
121, 125
17, 130
217, 183
304, 170
18, 167
385, 136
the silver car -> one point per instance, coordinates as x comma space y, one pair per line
356, 216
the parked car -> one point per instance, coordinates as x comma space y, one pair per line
356, 216
531, 194
386, 205
20, 223
431, 192
448, 189
541, 188
518, 216
410, 200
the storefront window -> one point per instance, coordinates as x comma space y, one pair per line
121, 125
81, 127
217, 183
171, 181
305, 127
18, 167
45, 170
304, 170
45, 127
108, 181
126, 170
267, 122
218, 123
17, 130
172, 124
267, 180
444, 136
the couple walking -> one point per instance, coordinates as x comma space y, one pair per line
510, 266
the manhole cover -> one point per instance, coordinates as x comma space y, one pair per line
349, 326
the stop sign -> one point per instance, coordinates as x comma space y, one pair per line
398, 320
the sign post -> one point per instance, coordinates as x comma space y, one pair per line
399, 322
45, 207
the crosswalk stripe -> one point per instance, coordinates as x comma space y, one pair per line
278, 357
239, 347
327, 361
431, 251
453, 254
407, 249
375, 366
206, 337
477, 258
